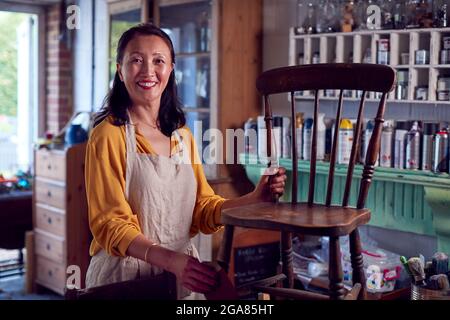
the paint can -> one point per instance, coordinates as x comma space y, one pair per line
422, 57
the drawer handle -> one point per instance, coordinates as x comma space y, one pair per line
49, 193
49, 220
50, 273
49, 167
48, 246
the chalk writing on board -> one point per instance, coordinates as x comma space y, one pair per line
256, 262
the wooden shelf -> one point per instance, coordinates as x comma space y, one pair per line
375, 100
361, 46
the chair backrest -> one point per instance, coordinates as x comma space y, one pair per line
160, 287
337, 76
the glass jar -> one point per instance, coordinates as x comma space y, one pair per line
412, 14
348, 17
309, 25
399, 14
441, 13
387, 14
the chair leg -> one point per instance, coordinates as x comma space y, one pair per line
335, 270
225, 248
358, 275
287, 259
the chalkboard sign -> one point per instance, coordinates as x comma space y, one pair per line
255, 262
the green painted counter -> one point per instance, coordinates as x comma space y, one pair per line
411, 201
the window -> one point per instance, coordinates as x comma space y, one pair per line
18, 90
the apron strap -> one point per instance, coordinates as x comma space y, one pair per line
130, 138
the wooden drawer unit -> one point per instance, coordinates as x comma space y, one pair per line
49, 246
60, 218
51, 274
48, 192
50, 165
50, 219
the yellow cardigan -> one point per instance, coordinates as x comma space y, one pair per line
113, 224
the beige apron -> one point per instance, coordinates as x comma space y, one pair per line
162, 192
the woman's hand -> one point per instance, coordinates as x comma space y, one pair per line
268, 186
193, 274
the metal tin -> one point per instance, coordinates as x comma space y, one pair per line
422, 56
401, 91
446, 42
301, 59
402, 76
404, 58
422, 93
445, 56
383, 57
443, 95
383, 45
443, 83
412, 147
440, 151
316, 57
429, 129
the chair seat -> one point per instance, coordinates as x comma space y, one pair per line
297, 218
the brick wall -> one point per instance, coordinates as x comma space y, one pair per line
59, 83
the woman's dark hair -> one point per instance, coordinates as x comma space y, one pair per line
117, 101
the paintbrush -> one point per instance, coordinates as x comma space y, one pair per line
416, 268
440, 263
405, 265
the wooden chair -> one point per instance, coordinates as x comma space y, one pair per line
160, 287
309, 218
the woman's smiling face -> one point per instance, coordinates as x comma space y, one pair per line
145, 69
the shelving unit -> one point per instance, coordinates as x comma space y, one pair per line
353, 46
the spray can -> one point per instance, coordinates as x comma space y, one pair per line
299, 133
286, 138
307, 138
412, 147
427, 145
399, 144
370, 125
386, 144
345, 141
262, 138
277, 131
440, 151
250, 136
321, 130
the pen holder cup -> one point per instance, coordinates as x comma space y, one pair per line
419, 293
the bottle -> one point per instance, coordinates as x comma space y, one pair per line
367, 134
427, 145
386, 144
440, 151
399, 144
250, 136
286, 138
412, 147
299, 133
307, 138
345, 141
